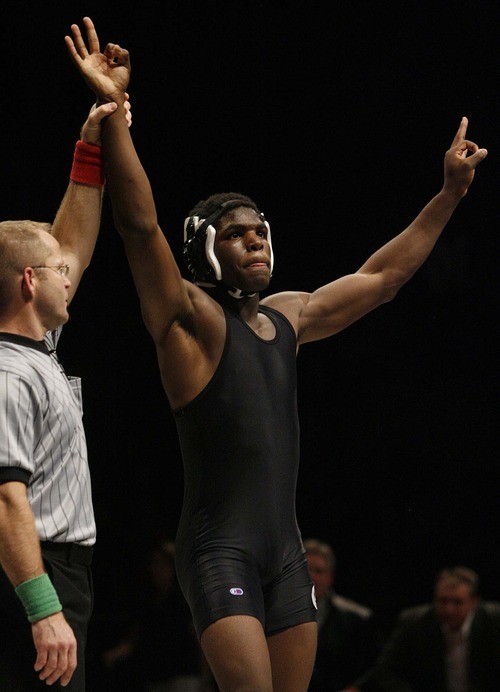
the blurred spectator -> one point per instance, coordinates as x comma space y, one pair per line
160, 652
348, 642
450, 645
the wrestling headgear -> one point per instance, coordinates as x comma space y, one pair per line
198, 249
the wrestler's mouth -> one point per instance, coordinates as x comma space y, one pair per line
256, 263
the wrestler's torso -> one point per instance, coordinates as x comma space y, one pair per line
240, 446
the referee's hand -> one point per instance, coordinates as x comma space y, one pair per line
55, 645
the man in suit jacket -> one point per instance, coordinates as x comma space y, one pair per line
348, 642
450, 645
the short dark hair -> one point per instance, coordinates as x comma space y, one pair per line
205, 207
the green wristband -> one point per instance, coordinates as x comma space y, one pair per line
38, 597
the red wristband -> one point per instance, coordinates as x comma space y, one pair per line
87, 164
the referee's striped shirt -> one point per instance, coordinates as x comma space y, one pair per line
42, 440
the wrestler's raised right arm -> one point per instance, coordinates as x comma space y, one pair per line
163, 294
187, 326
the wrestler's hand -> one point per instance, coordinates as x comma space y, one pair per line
55, 645
459, 167
108, 73
91, 128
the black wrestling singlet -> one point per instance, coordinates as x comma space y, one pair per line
240, 446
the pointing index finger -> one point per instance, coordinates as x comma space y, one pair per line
461, 132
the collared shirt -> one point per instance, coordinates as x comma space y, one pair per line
456, 660
42, 440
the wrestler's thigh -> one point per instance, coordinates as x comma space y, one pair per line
236, 650
289, 599
222, 584
292, 654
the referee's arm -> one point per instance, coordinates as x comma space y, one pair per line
21, 560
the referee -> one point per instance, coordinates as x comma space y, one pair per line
47, 526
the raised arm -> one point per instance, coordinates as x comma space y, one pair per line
78, 218
333, 307
399, 259
163, 294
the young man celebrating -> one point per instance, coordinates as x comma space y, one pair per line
227, 362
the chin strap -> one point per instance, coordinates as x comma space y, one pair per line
238, 293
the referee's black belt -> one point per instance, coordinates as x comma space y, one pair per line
71, 552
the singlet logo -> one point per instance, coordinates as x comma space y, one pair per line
236, 591
313, 596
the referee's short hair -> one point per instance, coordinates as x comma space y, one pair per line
21, 244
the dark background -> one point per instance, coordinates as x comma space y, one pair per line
335, 118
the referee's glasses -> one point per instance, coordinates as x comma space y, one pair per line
61, 269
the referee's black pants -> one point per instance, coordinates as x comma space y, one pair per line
68, 566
